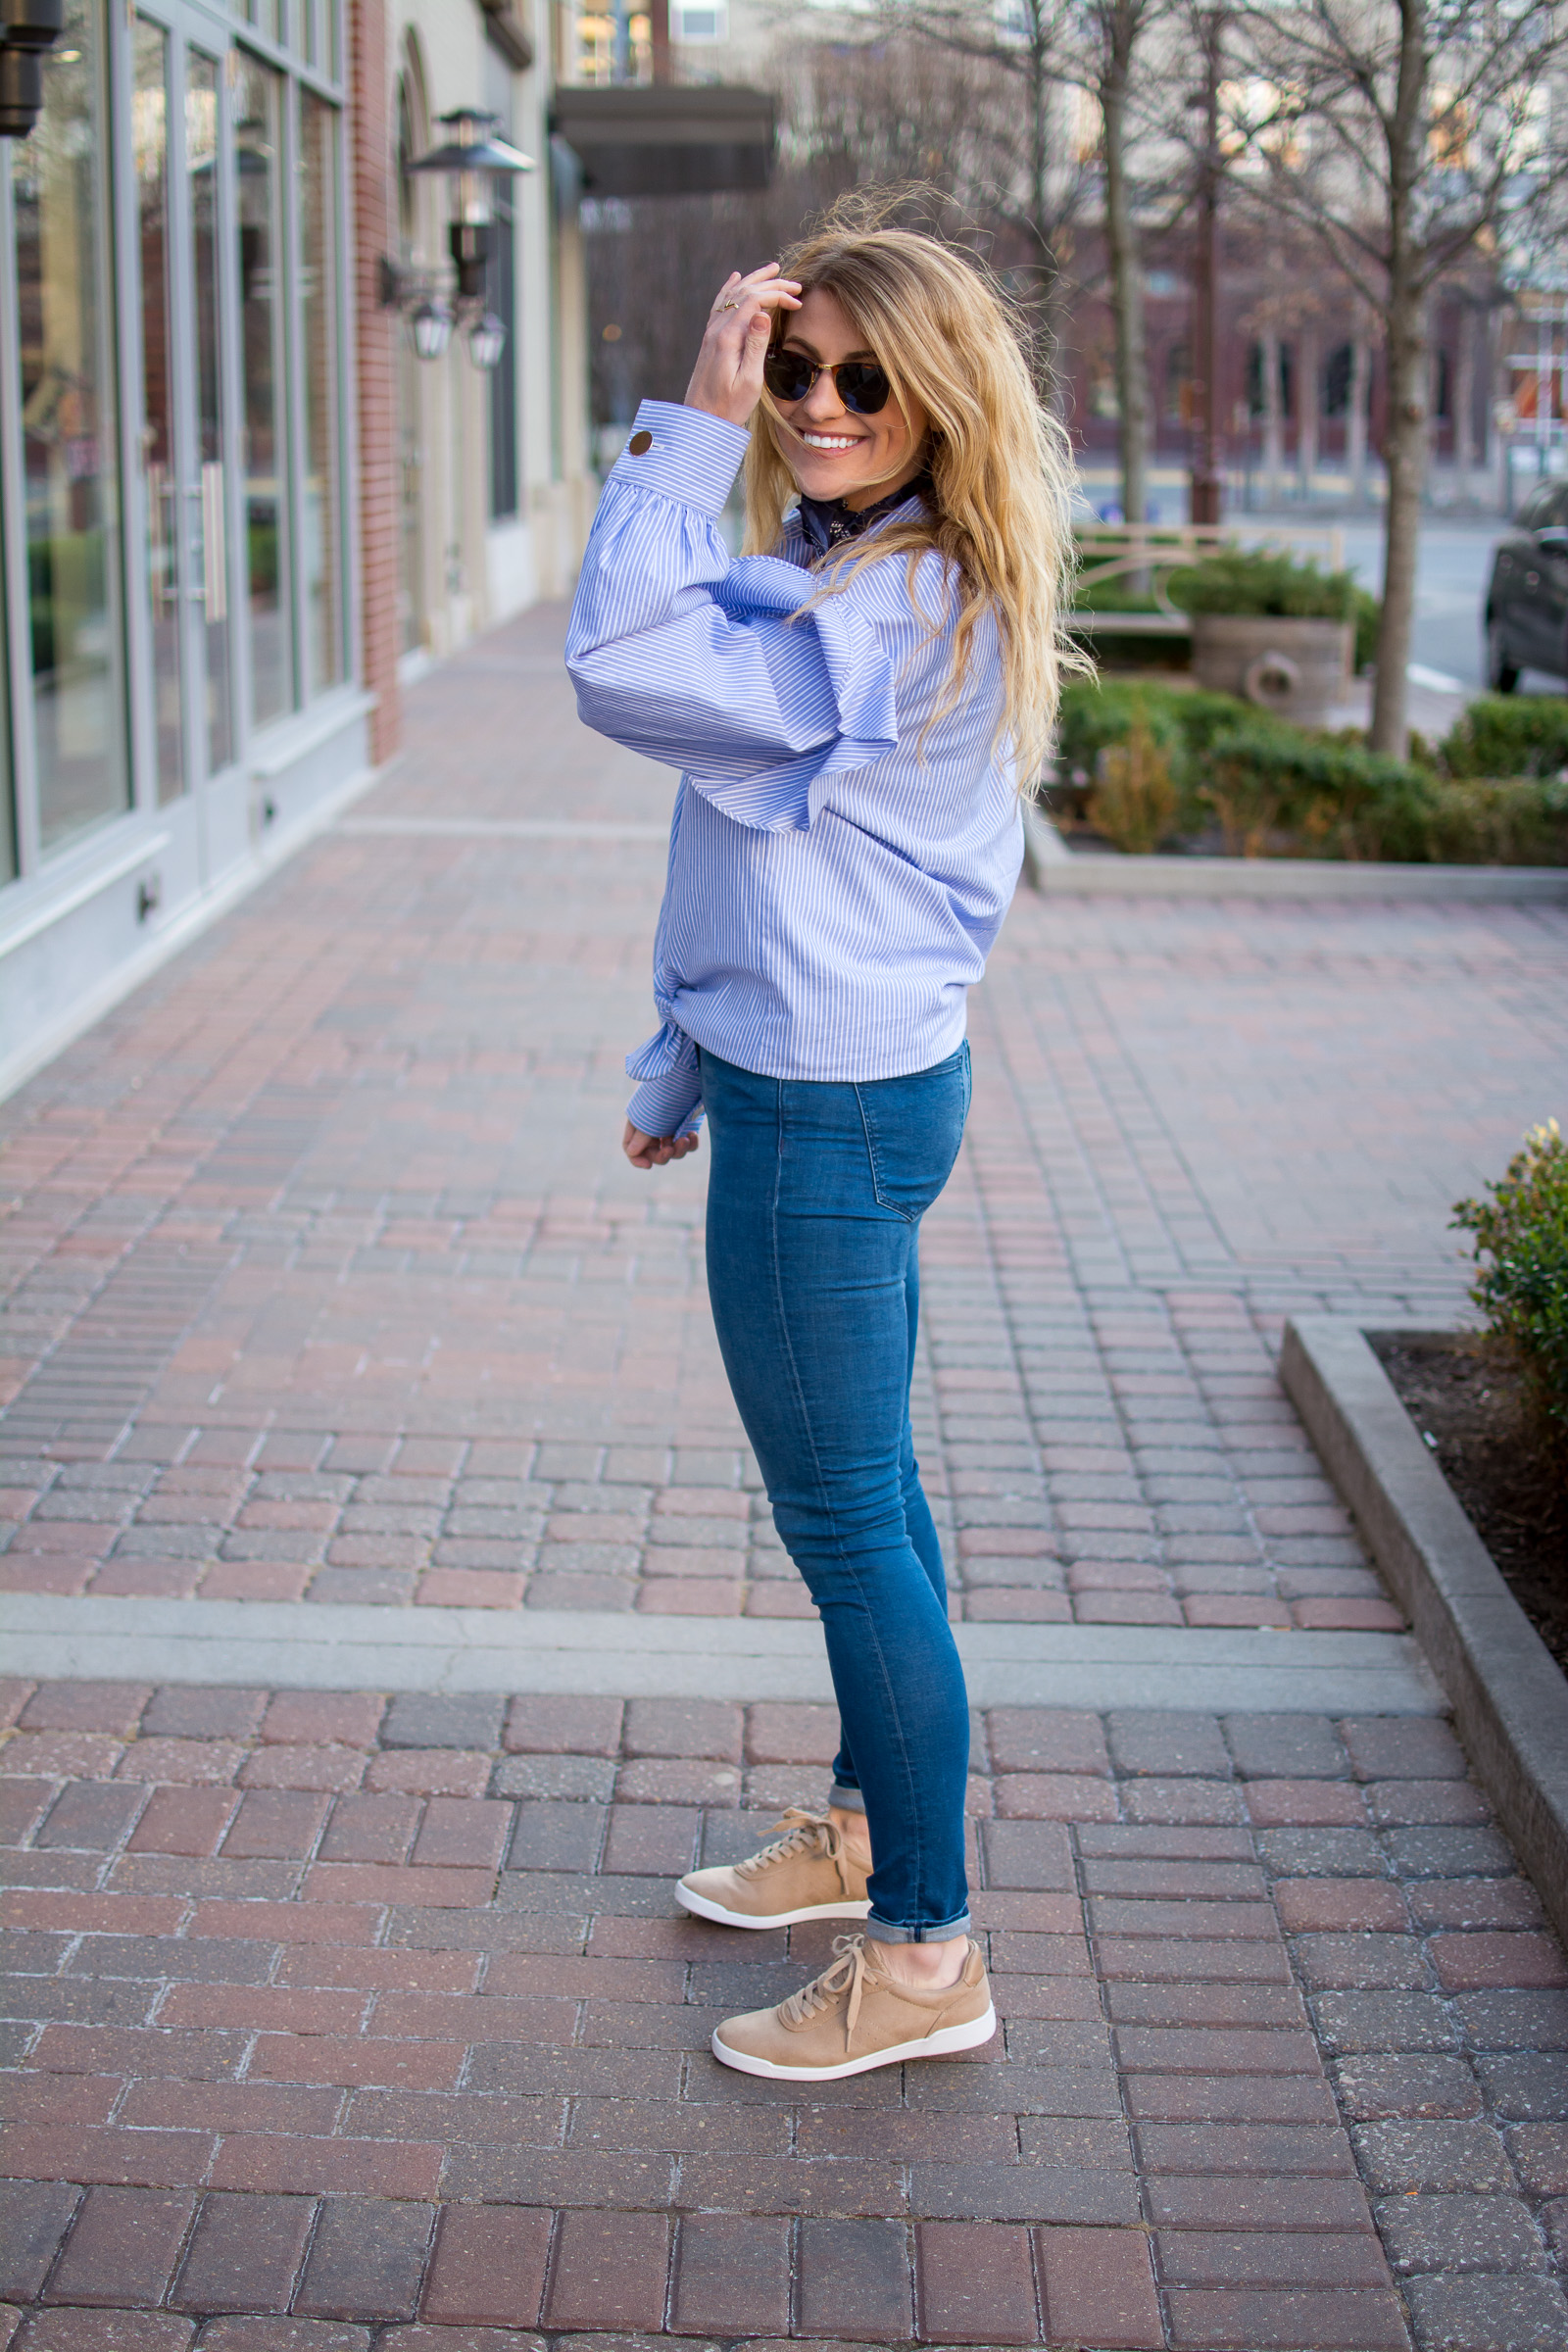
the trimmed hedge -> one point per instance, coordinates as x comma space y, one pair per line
1095, 713
1278, 790
1512, 820
1524, 1230
1337, 798
1258, 582
1509, 735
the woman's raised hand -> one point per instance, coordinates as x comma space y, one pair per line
727, 379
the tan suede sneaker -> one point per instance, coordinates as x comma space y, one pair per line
807, 1874
854, 2016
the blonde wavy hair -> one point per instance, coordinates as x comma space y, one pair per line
998, 462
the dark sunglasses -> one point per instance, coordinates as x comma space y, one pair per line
860, 384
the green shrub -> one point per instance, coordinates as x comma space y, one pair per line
1524, 1230
1259, 582
1278, 788
1135, 801
1204, 716
1094, 712
1509, 735
1096, 715
1515, 820
1092, 595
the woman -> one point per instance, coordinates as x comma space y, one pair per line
851, 705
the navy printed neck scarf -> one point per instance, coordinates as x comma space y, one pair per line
828, 522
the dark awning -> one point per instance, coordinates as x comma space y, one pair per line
658, 139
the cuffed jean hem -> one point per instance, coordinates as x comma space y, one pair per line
848, 1800
884, 1931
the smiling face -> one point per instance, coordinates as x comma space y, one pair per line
831, 452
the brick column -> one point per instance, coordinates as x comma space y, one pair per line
374, 233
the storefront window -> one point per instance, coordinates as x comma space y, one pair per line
149, 129
319, 307
264, 15
201, 163
259, 108
72, 483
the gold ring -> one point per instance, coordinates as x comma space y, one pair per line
729, 306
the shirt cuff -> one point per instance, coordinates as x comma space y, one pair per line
683, 454
668, 1105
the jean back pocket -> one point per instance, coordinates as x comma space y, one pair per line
913, 1127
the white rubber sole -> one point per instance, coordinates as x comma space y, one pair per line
940, 2044
701, 1907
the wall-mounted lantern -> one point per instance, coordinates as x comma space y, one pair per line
28, 30
431, 328
486, 341
472, 159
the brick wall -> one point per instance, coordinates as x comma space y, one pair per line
371, 184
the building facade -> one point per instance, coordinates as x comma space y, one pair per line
1302, 389
233, 505
492, 488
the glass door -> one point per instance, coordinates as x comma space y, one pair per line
177, 138
70, 435
151, 64
257, 96
205, 492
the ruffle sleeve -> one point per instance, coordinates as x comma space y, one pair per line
699, 661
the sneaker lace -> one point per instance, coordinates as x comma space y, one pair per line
803, 1832
846, 1972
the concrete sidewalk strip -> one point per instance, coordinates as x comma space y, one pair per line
337, 1646
500, 828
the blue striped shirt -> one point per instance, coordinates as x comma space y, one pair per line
837, 867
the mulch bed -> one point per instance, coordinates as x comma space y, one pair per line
1466, 1397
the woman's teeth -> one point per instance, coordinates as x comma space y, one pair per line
829, 441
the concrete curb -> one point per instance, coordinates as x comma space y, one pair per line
1057, 872
344, 1645
1509, 1704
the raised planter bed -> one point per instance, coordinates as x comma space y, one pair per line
1509, 1698
1058, 872
1299, 669
1467, 1398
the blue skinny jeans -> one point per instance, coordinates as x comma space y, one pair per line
814, 1202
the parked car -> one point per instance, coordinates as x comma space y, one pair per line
1526, 612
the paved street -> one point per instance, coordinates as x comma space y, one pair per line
348, 1983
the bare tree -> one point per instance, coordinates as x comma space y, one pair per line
1104, 55
1037, 175
1403, 135
1095, 47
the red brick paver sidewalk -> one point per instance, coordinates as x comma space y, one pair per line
376, 2013
329, 1282
371, 2009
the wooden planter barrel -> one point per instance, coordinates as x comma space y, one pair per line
1299, 669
